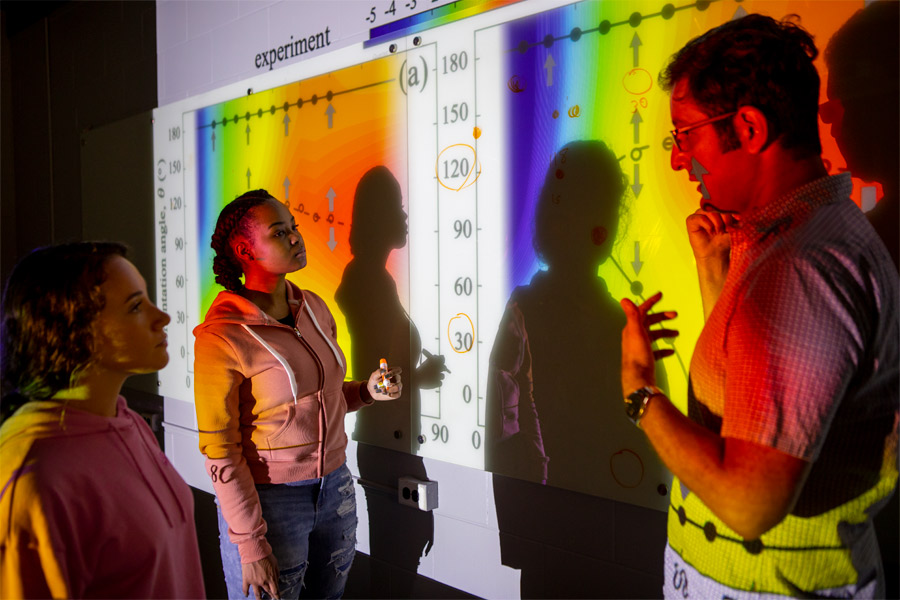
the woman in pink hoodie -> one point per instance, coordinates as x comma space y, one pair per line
89, 505
271, 399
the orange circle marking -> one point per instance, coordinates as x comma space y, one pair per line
471, 328
624, 462
475, 168
637, 81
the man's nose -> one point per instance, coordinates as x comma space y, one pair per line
678, 160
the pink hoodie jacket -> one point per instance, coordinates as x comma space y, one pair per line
270, 402
91, 508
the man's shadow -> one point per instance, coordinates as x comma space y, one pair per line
380, 327
554, 412
863, 109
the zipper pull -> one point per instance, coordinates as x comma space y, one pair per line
299, 335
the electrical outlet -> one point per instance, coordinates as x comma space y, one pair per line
417, 493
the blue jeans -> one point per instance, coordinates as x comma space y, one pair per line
312, 531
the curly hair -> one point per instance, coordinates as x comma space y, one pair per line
754, 61
233, 221
49, 304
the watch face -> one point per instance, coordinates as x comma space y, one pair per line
635, 402
632, 405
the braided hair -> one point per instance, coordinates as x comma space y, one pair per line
233, 220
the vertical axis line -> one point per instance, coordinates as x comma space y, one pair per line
477, 273
187, 331
437, 188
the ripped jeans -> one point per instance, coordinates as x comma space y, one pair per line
312, 531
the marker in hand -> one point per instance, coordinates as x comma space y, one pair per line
385, 383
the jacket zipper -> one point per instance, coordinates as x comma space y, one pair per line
320, 394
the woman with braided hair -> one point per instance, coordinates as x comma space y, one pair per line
271, 400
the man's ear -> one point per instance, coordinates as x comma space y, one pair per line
752, 129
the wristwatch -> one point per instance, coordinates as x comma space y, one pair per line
636, 402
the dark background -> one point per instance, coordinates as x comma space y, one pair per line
77, 83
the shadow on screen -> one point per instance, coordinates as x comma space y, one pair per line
554, 412
380, 327
863, 107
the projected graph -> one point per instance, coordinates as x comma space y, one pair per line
454, 222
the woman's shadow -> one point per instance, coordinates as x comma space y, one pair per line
380, 327
554, 412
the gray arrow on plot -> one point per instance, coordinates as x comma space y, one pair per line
331, 194
636, 120
549, 64
248, 178
286, 120
330, 112
331, 242
287, 188
740, 13
248, 133
637, 186
636, 263
213, 138
635, 44
698, 171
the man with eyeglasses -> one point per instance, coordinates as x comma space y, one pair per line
789, 447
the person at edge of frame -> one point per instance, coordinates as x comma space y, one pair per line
89, 505
789, 447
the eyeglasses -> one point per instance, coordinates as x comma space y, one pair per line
692, 126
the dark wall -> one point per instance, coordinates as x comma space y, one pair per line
67, 67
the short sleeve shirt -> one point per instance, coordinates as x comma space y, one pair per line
807, 319
800, 354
